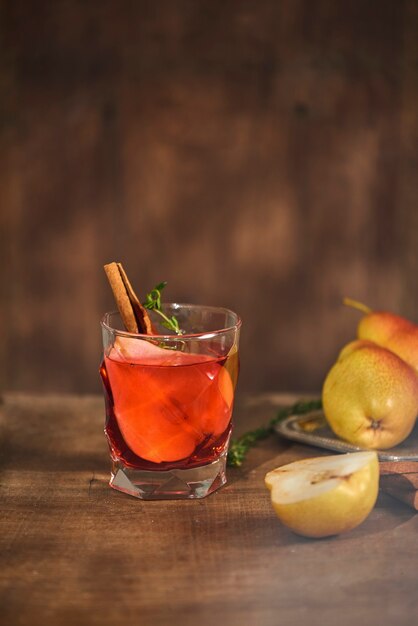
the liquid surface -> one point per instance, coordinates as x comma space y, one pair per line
165, 408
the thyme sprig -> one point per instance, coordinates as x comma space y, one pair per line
239, 447
153, 303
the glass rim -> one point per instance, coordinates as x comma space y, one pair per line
206, 334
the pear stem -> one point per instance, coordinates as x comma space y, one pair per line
357, 305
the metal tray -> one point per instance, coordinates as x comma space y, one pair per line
313, 430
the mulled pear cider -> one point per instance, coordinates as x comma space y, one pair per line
169, 373
167, 409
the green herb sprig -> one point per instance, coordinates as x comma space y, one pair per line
239, 447
153, 303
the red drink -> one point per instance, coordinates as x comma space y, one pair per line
167, 409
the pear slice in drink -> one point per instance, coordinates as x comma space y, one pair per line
327, 495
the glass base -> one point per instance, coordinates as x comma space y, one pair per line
178, 484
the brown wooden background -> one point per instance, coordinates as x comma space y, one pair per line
259, 155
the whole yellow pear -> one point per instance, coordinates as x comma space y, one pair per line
370, 396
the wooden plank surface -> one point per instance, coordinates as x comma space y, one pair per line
75, 552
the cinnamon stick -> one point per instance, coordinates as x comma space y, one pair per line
400, 480
133, 314
398, 467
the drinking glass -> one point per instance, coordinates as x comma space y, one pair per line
169, 401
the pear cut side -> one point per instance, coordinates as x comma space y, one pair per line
327, 495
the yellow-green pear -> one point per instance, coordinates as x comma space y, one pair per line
326, 495
370, 396
389, 331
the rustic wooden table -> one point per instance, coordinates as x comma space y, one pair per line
73, 551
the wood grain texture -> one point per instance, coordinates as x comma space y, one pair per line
258, 155
72, 551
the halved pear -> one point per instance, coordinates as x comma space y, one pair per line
326, 495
